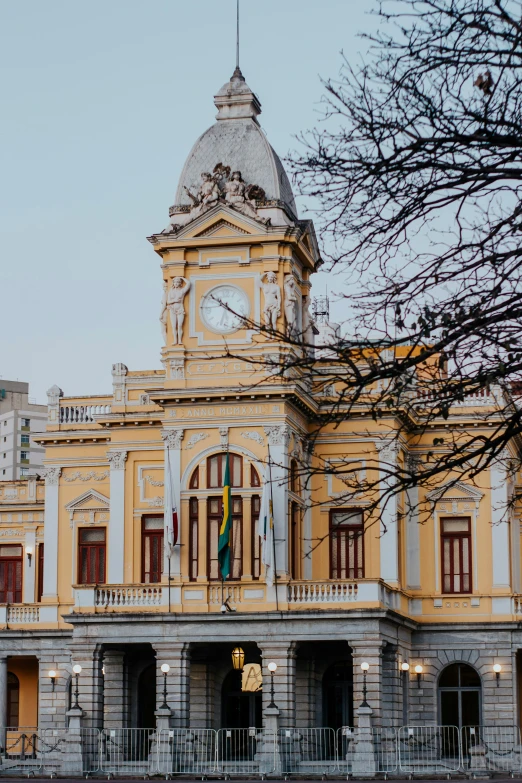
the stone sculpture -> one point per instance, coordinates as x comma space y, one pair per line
208, 195
231, 190
237, 195
272, 293
176, 295
291, 306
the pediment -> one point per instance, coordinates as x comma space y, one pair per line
455, 490
89, 501
221, 221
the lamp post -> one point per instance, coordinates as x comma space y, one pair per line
418, 672
497, 668
77, 671
52, 677
272, 666
165, 668
364, 666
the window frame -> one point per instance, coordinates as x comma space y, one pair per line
92, 545
294, 548
157, 533
193, 542
40, 579
239, 517
459, 536
15, 560
221, 466
255, 538
358, 539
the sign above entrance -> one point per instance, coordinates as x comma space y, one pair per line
252, 678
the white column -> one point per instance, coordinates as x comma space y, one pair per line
500, 523
413, 580
278, 438
388, 510
29, 567
116, 537
50, 583
172, 439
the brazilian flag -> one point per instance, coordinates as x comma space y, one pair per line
225, 531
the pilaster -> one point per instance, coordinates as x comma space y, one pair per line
368, 651
50, 585
282, 654
278, 437
116, 530
500, 533
90, 682
413, 580
114, 690
172, 455
389, 551
177, 656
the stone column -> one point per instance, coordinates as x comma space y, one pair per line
177, 655
50, 582
389, 550
90, 682
116, 529
53, 700
364, 761
370, 652
500, 523
278, 437
3, 699
114, 690
283, 654
172, 439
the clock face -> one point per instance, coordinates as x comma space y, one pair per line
224, 307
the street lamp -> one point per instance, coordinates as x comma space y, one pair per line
418, 672
77, 671
29, 553
497, 668
52, 677
165, 668
271, 668
405, 666
364, 666
238, 658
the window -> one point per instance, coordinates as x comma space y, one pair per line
254, 477
151, 549
294, 477
295, 541
214, 519
456, 554
216, 471
194, 480
24, 455
13, 701
5, 454
193, 538
40, 572
24, 472
26, 422
256, 540
91, 569
24, 439
346, 544
11, 574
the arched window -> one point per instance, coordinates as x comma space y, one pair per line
460, 692
216, 470
13, 700
194, 479
254, 477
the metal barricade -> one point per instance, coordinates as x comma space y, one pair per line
308, 751
187, 751
429, 749
70, 751
361, 752
491, 748
20, 750
129, 751
246, 751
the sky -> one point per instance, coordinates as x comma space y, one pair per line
101, 103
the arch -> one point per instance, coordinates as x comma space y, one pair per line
202, 456
459, 690
239, 709
338, 695
13, 701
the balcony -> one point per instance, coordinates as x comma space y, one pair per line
303, 594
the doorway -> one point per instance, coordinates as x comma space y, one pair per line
338, 695
147, 698
240, 709
460, 696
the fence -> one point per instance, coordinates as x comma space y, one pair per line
411, 750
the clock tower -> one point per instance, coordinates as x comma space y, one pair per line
234, 255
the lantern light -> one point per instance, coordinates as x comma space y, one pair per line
165, 668
405, 666
365, 666
497, 668
272, 666
418, 672
238, 658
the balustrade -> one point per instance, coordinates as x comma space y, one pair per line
82, 414
23, 614
129, 596
322, 592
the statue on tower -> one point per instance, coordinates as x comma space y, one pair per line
176, 295
291, 305
208, 195
239, 195
272, 292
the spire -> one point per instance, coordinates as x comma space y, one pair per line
237, 40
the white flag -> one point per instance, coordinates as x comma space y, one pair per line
266, 533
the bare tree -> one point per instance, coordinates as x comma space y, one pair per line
417, 169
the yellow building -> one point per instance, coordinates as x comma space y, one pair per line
118, 600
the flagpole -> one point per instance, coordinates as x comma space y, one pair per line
273, 526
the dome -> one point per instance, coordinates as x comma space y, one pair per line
236, 140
